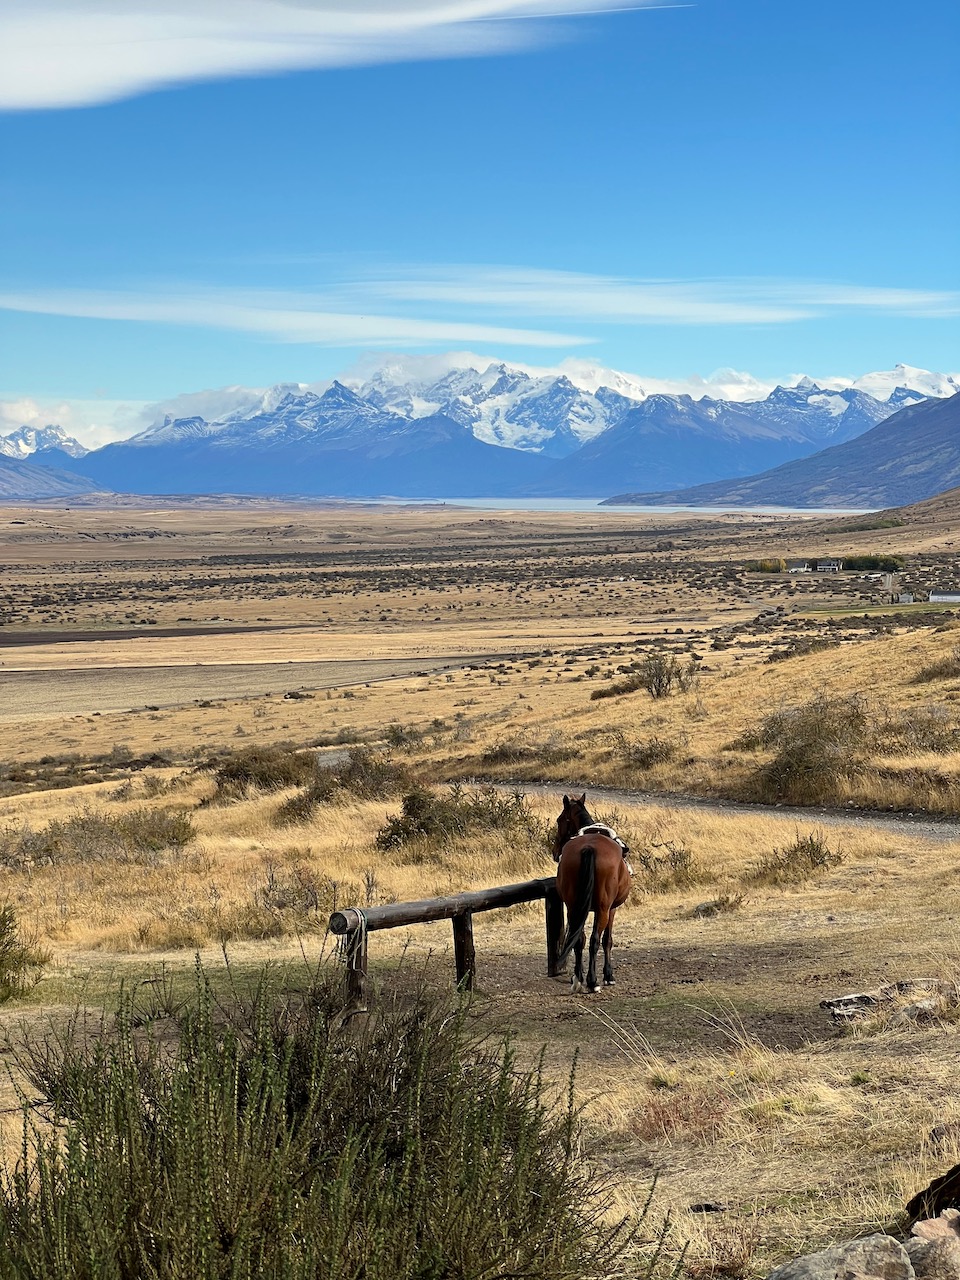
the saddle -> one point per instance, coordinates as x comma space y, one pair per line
598, 829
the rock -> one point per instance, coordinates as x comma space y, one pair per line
875, 1256
708, 1206
947, 1224
919, 1011
937, 1259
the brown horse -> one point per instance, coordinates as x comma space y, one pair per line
592, 876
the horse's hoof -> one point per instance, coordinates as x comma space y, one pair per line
609, 982
594, 991
575, 986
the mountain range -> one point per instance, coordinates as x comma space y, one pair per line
908, 457
496, 431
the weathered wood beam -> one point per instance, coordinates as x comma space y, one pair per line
553, 911
464, 951
430, 909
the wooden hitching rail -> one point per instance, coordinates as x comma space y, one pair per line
353, 924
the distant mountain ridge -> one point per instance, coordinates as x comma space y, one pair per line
908, 457
29, 440
25, 481
497, 433
500, 431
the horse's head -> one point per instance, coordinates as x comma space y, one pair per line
574, 816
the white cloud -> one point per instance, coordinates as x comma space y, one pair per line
68, 53
92, 422
622, 300
285, 317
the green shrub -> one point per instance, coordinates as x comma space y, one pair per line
771, 565
260, 769
808, 856
883, 564
93, 835
266, 1141
431, 816
20, 959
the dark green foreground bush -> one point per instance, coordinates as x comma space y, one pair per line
266, 1141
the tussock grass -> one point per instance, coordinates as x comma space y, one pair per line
805, 856
946, 667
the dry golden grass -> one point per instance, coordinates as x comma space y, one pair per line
710, 1064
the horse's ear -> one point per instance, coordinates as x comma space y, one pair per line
583, 798
566, 802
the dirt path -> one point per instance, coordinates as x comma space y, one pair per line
918, 824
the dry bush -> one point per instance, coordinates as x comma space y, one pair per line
666, 866
914, 731
945, 668
659, 673
92, 835
821, 746
644, 753
807, 856
818, 746
364, 775
432, 817
259, 769
523, 750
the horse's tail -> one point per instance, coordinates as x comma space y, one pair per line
582, 904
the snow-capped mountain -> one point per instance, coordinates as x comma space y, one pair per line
27, 440
425, 427
884, 385
507, 406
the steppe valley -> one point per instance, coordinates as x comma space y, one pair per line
411, 650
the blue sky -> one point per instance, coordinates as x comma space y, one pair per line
248, 191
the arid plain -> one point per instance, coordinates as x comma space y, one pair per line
144, 646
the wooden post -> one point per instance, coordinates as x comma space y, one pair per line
355, 949
464, 951
553, 907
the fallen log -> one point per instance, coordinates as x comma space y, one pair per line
861, 1003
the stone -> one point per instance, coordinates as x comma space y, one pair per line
936, 1259
876, 1257
947, 1224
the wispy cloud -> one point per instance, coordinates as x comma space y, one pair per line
621, 300
428, 307
68, 53
284, 317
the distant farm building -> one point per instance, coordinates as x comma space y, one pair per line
798, 566
905, 597
945, 597
830, 566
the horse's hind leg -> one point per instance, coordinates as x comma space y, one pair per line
592, 983
608, 978
576, 982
